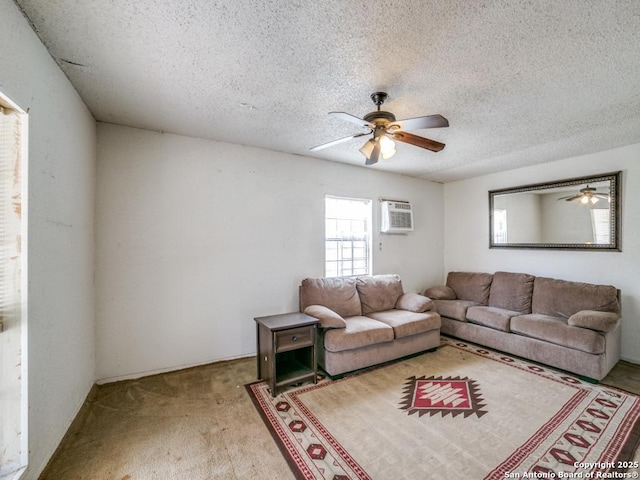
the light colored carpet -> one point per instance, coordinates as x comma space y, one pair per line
461, 412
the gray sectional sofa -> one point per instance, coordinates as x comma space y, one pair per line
367, 320
569, 325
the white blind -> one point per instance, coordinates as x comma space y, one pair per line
601, 223
12, 457
10, 210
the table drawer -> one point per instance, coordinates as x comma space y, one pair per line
294, 338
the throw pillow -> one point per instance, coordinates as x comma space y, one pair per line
414, 302
328, 318
594, 320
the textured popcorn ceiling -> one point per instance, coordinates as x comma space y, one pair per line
521, 82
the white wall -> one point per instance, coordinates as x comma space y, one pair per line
61, 181
467, 233
523, 216
567, 222
195, 238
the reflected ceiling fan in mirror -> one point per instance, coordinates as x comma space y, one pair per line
385, 128
586, 195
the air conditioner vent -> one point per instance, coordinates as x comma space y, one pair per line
395, 217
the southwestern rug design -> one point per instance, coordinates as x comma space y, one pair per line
460, 412
434, 395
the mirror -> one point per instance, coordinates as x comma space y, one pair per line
578, 213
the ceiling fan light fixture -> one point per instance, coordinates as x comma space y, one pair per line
387, 147
388, 153
589, 198
367, 148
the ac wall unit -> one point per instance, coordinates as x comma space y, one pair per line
396, 217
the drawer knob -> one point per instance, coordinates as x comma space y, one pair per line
294, 338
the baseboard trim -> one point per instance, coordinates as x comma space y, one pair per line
148, 373
635, 361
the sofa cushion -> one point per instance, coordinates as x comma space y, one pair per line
414, 302
406, 323
359, 332
441, 292
492, 317
327, 317
561, 298
591, 319
470, 286
338, 294
456, 309
556, 330
378, 292
511, 291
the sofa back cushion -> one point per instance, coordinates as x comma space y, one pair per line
470, 286
338, 294
511, 291
561, 298
379, 292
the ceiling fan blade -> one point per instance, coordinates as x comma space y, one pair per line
430, 121
353, 119
572, 198
336, 142
375, 154
417, 141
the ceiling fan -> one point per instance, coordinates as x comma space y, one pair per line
385, 128
586, 195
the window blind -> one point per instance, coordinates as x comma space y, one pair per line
12, 453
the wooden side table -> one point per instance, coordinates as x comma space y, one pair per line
286, 346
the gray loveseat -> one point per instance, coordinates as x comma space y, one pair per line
367, 320
569, 325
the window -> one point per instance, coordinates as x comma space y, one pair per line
601, 224
499, 226
347, 236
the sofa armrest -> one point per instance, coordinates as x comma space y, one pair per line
327, 317
441, 292
414, 302
594, 320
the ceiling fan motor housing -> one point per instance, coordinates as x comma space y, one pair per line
380, 117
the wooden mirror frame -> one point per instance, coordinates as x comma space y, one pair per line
614, 180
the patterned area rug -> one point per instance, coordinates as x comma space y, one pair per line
461, 412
